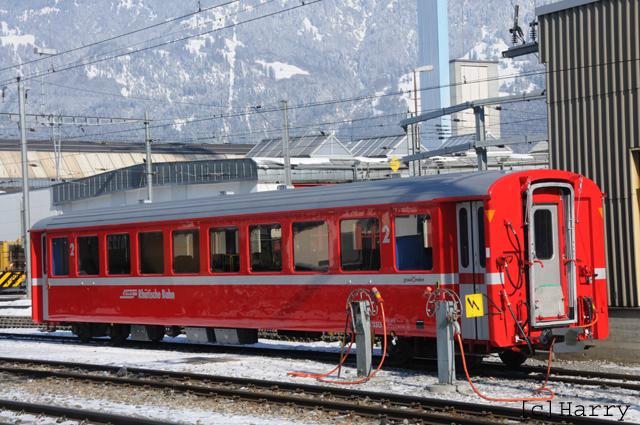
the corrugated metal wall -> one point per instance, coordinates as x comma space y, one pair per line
592, 53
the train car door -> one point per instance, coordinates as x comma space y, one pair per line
472, 265
45, 278
551, 254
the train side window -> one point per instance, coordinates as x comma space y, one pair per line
186, 251
543, 227
88, 255
360, 244
464, 237
265, 242
118, 254
151, 252
310, 246
60, 256
414, 250
224, 252
481, 244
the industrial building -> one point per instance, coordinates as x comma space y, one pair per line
592, 57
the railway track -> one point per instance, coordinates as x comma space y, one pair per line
344, 401
485, 369
63, 414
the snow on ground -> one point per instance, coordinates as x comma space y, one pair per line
392, 380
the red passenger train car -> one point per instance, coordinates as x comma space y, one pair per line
530, 242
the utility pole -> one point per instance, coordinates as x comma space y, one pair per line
480, 132
25, 188
147, 137
285, 145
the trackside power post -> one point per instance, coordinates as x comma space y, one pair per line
447, 314
362, 327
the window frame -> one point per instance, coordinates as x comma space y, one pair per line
196, 254
376, 236
51, 253
239, 253
106, 244
293, 250
139, 253
431, 215
77, 254
250, 252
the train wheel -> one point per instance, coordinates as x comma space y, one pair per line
118, 334
400, 352
82, 331
172, 331
513, 358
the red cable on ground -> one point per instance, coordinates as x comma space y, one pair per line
319, 375
542, 388
384, 350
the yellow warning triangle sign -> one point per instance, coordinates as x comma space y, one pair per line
489, 214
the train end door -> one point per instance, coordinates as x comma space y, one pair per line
551, 254
472, 265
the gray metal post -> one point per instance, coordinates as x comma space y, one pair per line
25, 189
362, 327
410, 144
480, 132
446, 350
285, 145
446, 326
147, 137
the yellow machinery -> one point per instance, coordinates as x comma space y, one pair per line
12, 266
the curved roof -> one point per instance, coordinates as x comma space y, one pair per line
391, 191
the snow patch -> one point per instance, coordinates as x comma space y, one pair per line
13, 37
405, 85
194, 46
279, 70
127, 4
310, 28
125, 92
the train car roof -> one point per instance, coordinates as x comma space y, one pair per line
391, 191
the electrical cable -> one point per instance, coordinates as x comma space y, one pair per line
542, 388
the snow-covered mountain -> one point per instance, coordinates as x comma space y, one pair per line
217, 74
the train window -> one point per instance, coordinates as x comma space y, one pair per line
186, 251
88, 255
224, 250
265, 242
481, 246
542, 228
151, 252
60, 256
414, 250
118, 254
464, 237
310, 246
360, 244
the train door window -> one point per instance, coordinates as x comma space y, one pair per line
543, 228
224, 252
360, 244
60, 256
151, 252
310, 246
464, 237
481, 245
88, 255
186, 251
265, 241
44, 255
118, 254
414, 250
